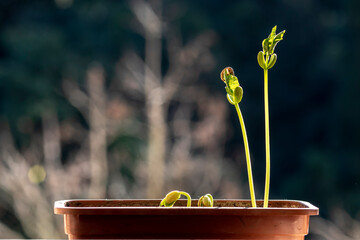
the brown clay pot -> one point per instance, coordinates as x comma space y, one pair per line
143, 219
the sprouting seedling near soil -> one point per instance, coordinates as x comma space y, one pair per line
234, 95
206, 201
170, 198
266, 59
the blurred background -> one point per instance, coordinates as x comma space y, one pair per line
122, 99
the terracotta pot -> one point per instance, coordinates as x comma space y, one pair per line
143, 219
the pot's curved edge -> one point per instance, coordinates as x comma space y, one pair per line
296, 208
310, 206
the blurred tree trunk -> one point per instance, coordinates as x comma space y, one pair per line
154, 102
51, 151
97, 140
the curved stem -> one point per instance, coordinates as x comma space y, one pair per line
247, 153
188, 198
267, 140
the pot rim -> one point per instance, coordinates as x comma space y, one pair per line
295, 208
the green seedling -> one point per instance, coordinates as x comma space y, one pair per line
171, 198
234, 95
206, 201
266, 59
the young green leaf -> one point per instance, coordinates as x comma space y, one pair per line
273, 32
265, 45
279, 36
277, 39
228, 91
261, 59
272, 61
228, 77
270, 43
238, 94
233, 82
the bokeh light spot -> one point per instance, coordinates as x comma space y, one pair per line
37, 174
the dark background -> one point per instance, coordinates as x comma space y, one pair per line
313, 88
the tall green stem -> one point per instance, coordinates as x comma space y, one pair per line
267, 139
247, 153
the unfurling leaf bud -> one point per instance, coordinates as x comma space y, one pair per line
233, 89
271, 41
265, 45
206, 201
225, 73
273, 32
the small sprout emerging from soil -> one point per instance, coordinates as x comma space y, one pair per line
206, 201
171, 198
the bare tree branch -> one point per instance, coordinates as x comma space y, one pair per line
51, 140
27, 198
185, 61
146, 15
76, 97
97, 121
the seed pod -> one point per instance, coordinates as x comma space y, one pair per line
272, 61
226, 72
261, 59
206, 201
170, 199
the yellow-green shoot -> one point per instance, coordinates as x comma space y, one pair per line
234, 95
171, 198
266, 59
206, 201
